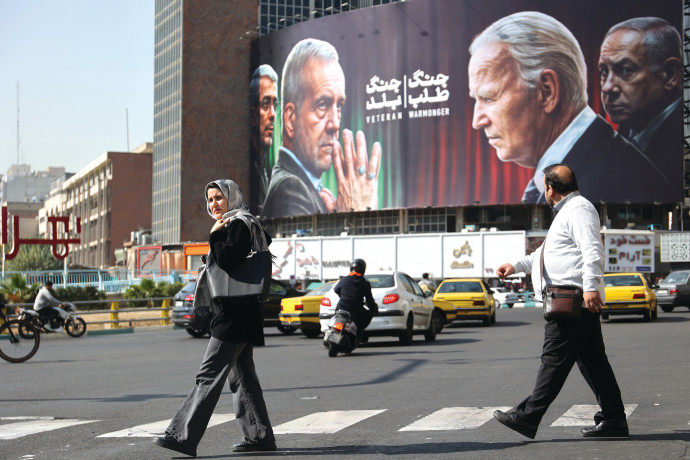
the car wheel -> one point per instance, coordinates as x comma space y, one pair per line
406, 336
493, 318
196, 333
668, 308
655, 312
487, 321
311, 333
436, 319
647, 316
287, 330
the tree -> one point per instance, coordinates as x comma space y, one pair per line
32, 257
16, 290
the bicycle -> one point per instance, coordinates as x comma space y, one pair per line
16, 347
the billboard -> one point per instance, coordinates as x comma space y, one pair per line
402, 115
444, 255
628, 251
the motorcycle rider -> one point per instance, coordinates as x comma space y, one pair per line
44, 306
353, 289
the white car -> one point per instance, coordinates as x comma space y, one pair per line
404, 309
505, 296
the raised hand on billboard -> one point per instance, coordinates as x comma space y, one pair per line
357, 173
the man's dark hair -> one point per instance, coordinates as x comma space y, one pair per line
49, 283
425, 276
560, 178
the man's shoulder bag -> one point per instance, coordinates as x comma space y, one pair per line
561, 302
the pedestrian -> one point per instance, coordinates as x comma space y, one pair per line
427, 284
236, 326
574, 255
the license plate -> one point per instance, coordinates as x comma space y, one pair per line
179, 303
662, 291
619, 306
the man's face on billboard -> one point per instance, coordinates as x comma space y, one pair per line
318, 118
268, 100
504, 108
631, 93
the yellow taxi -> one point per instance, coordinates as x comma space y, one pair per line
629, 294
447, 308
303, 312
471, 297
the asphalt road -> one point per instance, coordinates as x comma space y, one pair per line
428, 400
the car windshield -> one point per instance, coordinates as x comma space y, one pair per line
460, 286
321, 290
623, 280
676, 278
380, 281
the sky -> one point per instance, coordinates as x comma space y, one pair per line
83, 68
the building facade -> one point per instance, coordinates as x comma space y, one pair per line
111, 196
21, 185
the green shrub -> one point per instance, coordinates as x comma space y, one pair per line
148, 289
78, 293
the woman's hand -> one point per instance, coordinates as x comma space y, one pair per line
220, 223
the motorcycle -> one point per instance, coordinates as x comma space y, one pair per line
341, 336
74, 325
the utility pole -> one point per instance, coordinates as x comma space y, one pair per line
18, 143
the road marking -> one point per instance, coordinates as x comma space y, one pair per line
33, 425
325, 422
454, 418
148, 430
583, 415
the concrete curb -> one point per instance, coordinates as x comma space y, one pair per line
122, 330
130, 330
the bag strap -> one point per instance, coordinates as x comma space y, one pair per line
541, 262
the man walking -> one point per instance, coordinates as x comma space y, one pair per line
573, 256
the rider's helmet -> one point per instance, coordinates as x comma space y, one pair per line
359, 266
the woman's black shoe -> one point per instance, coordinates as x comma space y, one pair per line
171, 443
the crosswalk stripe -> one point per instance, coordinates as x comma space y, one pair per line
325, 422
33, 425
454, 418
583, 415
148, 430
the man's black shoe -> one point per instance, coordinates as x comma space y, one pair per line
510, 419
607, 429
171, 443
254, 446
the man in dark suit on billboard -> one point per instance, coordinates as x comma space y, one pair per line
313, 94
641, 87
528, 77
263, 92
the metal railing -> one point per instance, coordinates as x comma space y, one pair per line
112, 280
114, 310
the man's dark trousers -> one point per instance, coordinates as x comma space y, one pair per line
565, 343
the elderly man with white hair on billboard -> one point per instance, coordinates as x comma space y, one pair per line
313, 95
528, 78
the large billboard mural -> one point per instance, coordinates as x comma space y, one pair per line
451, 103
